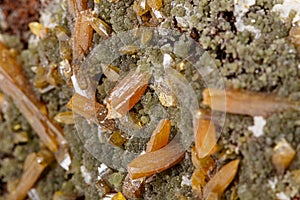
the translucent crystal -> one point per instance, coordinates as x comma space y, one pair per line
205, 137
160, 136
247, 103
82, 38
127, 93
38, 29
14, 84
221, 179
65, 117
156, 161
283, 155
36, 163
92, 111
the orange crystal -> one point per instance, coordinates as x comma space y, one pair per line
246, 103
221, 179
127, 93
157, 161
205, 137
160, 136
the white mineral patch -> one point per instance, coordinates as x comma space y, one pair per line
285, 9
282, 196
273, 182
241, 7
257, 128
102, 170
77, 88
33, 194
66, 162
85, 175
186, 181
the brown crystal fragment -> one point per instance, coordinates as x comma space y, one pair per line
154, 4
246, 103
127, 93
90, 110
205, 137
14, 84
156, 161
132, 189
82, 38
35, 165
117, 138
283, 155
102, 186
160, 136
221, 180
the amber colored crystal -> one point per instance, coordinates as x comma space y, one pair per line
82, 38
100, 26
127, 93
117, 138
91, 110
198, 181
14, 84
154, 4
38, 29
140, 7
35, 165
246, 103
283, 155
206, 164
132, 189
221, 179
160, 136
65, 117
156, 161
205, 137
118, 196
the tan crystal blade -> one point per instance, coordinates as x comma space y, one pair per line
13, 84
127, 93
205, 137
92, 111
82, 38
36, 163
160, 136
156, 161
246, 103
221, 179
